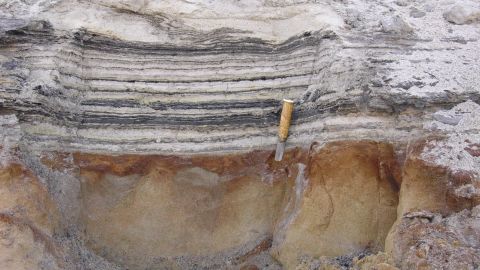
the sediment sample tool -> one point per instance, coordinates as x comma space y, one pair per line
285, 120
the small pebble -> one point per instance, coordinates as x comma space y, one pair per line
416, 13
396, 25
464, 14
401, 3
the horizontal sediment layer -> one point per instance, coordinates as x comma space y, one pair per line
191, 90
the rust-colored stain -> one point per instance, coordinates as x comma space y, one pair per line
380, 157
56, 161
473, 149
233, 165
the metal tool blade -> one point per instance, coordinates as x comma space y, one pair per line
279, 151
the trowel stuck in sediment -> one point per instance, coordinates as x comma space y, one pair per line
285, 120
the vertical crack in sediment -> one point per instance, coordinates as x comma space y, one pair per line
293, 206
300, 184
381, 174
331, 207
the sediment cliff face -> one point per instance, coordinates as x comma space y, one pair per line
140, 134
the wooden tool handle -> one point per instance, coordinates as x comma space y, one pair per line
285, 119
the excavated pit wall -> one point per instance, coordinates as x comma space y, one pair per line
70, 210
329, 205
138, 135
152, 211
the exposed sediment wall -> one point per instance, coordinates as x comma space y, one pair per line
183, 84
139, 134
141, 211
234, 211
